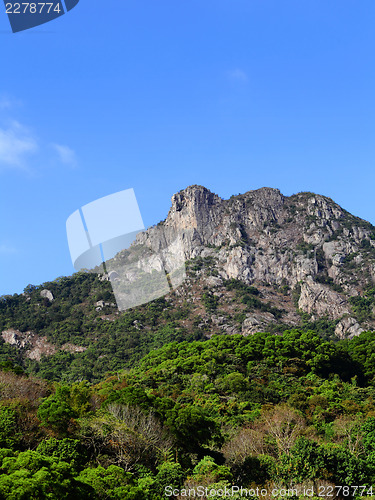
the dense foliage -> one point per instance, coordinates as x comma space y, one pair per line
131, 404
109, 340
292, 411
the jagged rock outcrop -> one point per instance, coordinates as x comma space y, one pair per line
17, 338
39, 347
257, 262
304, 241
348, 328
321, 300
47, 294
34, 345
256, 323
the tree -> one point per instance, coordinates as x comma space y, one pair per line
56, 413
9, 432
30, 475
248, 441
66, 450
192, 426
129, 435
284, 425
208, 469
112, 482
349, 430
169, 474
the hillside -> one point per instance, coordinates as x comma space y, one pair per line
262, 412
256, 262
254, 373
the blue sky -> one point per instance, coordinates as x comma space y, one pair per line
233, 95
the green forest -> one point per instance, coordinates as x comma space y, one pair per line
152, 409
267, 411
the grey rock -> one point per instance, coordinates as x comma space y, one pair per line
348, 328
320, 299
47, 294
73, 348
256, 323
213, 281
265, 237
36, 346
17, 338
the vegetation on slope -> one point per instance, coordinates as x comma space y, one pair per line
263, 410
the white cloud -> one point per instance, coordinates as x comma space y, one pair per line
66, 155
238, 75
16, 142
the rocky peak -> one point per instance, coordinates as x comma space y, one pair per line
305, 244
193, 198
192, 207
305, 240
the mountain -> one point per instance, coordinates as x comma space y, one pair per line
259, 261
304, 243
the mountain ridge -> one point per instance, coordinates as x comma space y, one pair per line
259, 261
263, 236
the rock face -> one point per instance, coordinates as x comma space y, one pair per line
319, 299
34, 345
295, 261
256, 323
348, 328
47, 295
17, 338
40, 346
73, 348
305, 241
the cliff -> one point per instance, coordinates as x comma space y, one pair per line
257, 262
305, 244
